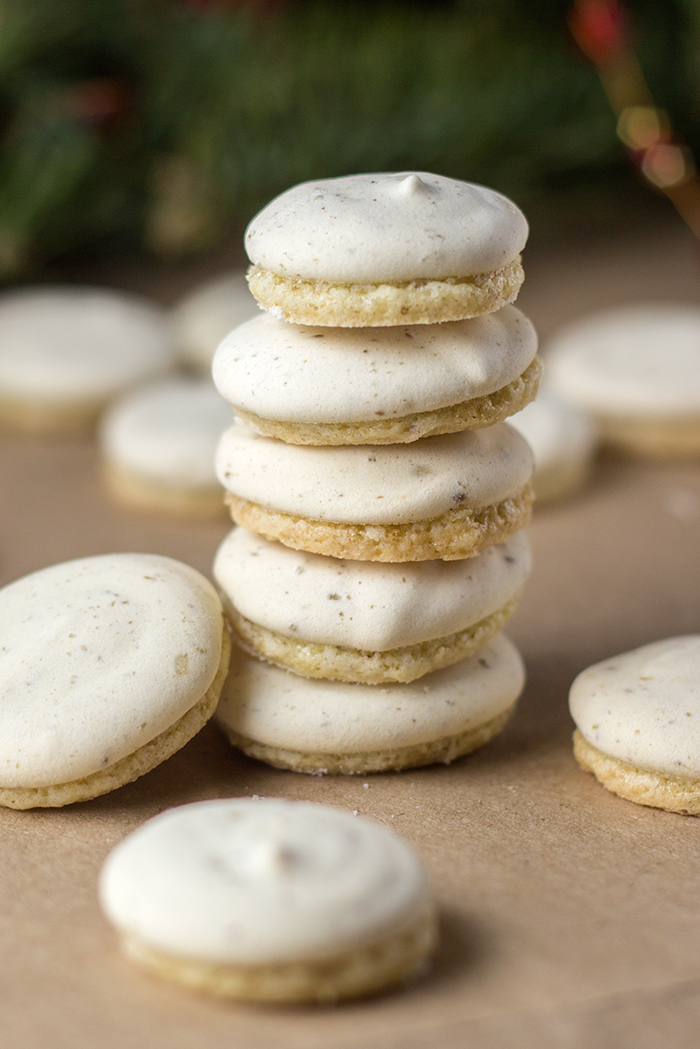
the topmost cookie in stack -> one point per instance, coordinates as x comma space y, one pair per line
370, 250
410, 461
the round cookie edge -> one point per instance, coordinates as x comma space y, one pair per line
657, 790
134, 765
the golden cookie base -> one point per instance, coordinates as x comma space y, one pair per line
469, 415
444, 750
654, 438
42, 418
333, 663
455, 535
133, 765
358, 973
142, 493
674, 793
366, 305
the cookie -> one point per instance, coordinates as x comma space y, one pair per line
335, 386
158, 444
362, 620
636, 369
386, 249
638, 724
333, 727
202, 318
441, 497
66, 351
108, 665
270, 900
563, 439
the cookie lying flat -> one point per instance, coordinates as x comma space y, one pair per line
270, 900
333, 727
638, 718
563, 440
158, 445
385, 249
65, 352
362, 620
442, 497
636, 369
203, 317
378, 386
108, 665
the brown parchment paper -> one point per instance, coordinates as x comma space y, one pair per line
570, 917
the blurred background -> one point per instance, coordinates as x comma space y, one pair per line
156, 128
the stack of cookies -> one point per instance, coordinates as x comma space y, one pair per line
379, 496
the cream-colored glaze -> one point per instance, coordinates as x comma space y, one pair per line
203, 317
280, 709
365, 604
643, 707
66, 344
98, 657
636, 360
559, 433
386, 228
256, 882
367, 484
295, 373
167, 431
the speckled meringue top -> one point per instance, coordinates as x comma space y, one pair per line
643, 707
365, 604
280, 709
258, 882
367, 484
69, 345
639, 359
295, 373
386, 228
167, 431
98, 656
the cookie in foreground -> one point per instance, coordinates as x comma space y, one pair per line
638, 724
319, 727
337, 386
636, 370
442, 497
367, 621
66, 351
385, 249
108, 665
270, 900
158, 443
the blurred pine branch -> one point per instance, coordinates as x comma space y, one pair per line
166, 121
